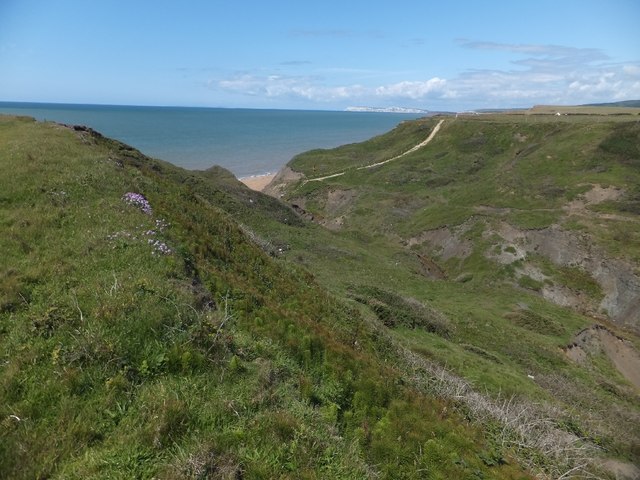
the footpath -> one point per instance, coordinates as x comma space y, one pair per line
377, 164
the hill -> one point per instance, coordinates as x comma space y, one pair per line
545, 181
522, 230
386, 322
626, 108
624, 103
145, 334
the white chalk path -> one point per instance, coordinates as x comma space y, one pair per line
417, 147
411, 150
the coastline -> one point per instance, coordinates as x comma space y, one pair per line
257, 182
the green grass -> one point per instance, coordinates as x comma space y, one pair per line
479, 172
166, 344
317, 163
265, 346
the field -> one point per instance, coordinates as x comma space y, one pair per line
583, 110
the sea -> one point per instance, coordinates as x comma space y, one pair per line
248, 142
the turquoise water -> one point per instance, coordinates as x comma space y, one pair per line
245, 141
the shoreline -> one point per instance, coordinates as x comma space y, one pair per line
257, 182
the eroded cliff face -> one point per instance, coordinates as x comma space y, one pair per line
619, 284
599, 340
567, 267
530, 251
283, 178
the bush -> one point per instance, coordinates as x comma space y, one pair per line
395, 311
525, 281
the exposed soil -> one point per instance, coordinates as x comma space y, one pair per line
446, 242
621, 470
276, 187
597, 194
597, 340
566, 297
617, 279
338, 201
429, 268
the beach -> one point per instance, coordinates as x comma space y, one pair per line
257, 182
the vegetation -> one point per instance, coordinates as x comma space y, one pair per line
162, 323
490, 225
144, 335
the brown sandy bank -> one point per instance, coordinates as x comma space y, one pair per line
257, 182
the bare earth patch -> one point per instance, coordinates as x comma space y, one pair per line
447, 242
598, 194
600, 340
619, 283
284, 177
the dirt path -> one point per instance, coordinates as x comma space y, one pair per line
411, 150
324, 178
417, 147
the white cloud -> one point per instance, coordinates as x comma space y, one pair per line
411, 89
609, 85
547, 74
539, 74
247, 84
313, 88
572, 54
632, 70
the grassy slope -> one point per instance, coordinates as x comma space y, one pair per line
524, 169
168, 345
624, 103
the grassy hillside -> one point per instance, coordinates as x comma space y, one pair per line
618, 108
145, 333
162, 323
521, 231
624, 103
487, 173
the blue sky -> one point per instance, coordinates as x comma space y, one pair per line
446, 54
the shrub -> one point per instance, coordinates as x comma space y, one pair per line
396, 311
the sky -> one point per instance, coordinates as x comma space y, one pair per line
327, 55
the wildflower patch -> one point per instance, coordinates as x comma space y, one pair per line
143, 231
138, 200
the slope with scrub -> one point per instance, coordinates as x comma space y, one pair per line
522, 230
145, 333
187, 336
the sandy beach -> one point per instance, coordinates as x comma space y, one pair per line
257, 182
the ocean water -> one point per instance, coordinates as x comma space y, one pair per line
245, 141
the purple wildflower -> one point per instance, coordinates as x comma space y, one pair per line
138, 200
